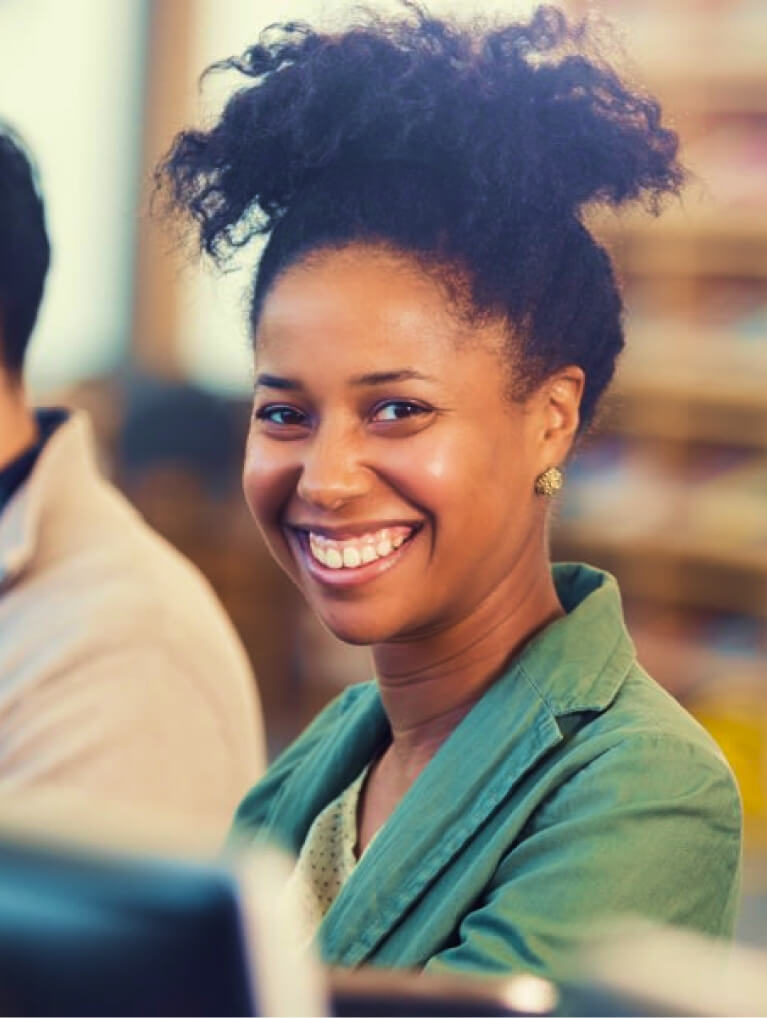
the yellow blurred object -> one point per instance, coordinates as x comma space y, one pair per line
738, 722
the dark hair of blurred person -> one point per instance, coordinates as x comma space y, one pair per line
24, 260
24, 250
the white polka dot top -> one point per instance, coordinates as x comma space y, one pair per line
327, 856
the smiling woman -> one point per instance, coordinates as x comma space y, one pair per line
433, 327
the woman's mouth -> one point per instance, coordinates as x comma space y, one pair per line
354, 559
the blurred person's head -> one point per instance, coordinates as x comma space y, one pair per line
24, 251
24, 260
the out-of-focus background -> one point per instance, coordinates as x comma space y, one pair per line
670, 492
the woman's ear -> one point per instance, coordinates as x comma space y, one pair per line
560, 400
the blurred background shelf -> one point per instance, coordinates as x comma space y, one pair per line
671, 575
679, 548
682, 222
703, 242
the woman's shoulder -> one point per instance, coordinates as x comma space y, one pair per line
646, 752
585, 668
644, 713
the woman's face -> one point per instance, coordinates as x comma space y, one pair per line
387, 468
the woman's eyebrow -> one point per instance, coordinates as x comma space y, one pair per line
276, 382
384, 377
373, 378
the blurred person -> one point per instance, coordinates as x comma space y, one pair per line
433, 326
121, 678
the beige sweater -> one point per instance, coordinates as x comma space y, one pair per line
121, 678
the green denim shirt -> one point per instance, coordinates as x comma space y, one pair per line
575, 790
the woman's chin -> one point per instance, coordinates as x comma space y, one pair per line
357, 630
358, 636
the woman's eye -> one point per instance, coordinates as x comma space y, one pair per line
282, 416
398, 410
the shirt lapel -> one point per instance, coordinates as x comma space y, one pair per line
326, 771
501, 738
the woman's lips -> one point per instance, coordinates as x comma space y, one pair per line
353, 560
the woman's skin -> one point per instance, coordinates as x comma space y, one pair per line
379, 408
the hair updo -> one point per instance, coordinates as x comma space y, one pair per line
474, 149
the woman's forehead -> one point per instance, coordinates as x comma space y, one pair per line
368, 304
358, 280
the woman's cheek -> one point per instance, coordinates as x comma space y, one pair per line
415, 474
265, 481
440, 470
436, 465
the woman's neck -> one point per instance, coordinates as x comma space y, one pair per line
429, 684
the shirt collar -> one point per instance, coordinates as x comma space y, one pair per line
13, 475
579, 662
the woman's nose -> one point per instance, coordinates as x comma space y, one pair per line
331, 473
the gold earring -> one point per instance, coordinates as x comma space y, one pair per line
549, 482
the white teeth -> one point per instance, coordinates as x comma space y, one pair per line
333, 559
319, 553
352, 553
352, 558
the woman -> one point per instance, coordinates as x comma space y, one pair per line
433, 327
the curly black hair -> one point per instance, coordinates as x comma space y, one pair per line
473, 148
24, 249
